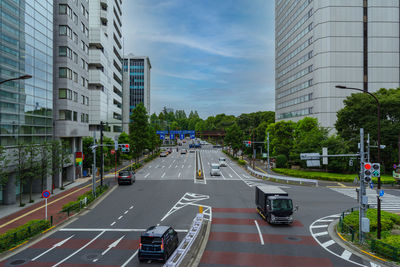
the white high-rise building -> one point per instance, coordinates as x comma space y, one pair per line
105, 66
320, 44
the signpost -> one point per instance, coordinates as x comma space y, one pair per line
46, 195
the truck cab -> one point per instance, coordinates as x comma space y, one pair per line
274, 205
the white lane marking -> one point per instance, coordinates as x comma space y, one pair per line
146, 175
157, 166
345, 255
319, 226
130, 258
189, 166
163, 166
321, 233
230, 175
112, 223
110, 230
169, 167
374, 265
162, 176
125, 212
131, 207
328, 243
112, 245
53, 247
149, 166
223, 176
259, 233
87, 244
176, 166
119, 218
179, 174
208, 163
183, 166
326, 220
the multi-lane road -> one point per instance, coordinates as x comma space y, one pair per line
167, 193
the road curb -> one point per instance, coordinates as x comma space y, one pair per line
193, 256
332, 230
35, 239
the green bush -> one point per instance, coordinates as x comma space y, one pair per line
75, 205
241, 162
385, 179
13, 237
388, 220
281, 161
392, 240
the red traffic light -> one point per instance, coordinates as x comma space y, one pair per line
367, 166
127, 146
249, 142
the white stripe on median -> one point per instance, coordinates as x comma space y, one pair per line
259, 233
130, 258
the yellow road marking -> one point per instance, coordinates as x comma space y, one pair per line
48, 229
372, 255
261, 170
48, 204
18, 245
341, 236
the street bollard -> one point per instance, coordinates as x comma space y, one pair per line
200, 209
51, 220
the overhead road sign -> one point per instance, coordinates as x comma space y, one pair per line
309, 156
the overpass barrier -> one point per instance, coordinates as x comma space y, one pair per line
280, 177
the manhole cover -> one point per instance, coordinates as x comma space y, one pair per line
17, 262
292, 238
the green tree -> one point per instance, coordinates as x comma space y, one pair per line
281, 137
4, 161
138, 130
87, 142
234, 138
308, 136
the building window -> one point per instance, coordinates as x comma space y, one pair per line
75, 19
75, 77
75, 55
87, 101
64, 51
75, 116
63, 9
87, 117
75, 38
75, 97
65, 115
65, 73
64, 30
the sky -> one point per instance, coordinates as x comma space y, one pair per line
213, 56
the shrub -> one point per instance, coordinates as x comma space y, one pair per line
281, 161
75, 205
18, 235
388, 220
241, 162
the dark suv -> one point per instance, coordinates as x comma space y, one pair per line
126, 177
157, 243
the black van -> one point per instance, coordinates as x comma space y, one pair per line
157, 243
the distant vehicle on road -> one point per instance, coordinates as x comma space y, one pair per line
215, 170
222, 162
157, 243
274, 204
126, 177
183, 151
217, 146
192, 151
163, 154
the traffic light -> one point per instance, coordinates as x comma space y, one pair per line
124, 147
376, 169
367, 172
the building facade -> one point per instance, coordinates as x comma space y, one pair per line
136, 86
26, 106
319, 44
71, 78
105, 66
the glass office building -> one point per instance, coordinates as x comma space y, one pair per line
26, 106
26, 48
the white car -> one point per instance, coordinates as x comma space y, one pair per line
215, 170
222, 162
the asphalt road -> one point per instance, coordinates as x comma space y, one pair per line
166, 193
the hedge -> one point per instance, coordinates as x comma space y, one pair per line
16, 236
78, 204
388, 220
385, 179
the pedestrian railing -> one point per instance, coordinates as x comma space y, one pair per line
18, 235
371, 243
282, 178
180, 253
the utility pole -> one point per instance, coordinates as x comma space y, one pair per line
368, 149
268, 150
362, 195
94, 165
101, 153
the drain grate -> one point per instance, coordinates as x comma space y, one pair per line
17, 262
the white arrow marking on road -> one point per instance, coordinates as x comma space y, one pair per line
146, 175
162, 176
112, 245
54, 246
179, 175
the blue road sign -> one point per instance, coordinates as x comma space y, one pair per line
182, 136
171, 136
381, 193
45, 193
162, 136
394, 166
371, 184
192, 136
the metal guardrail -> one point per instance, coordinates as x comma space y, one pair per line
180, 253
284, 178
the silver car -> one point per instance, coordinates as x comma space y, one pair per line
215, 170
222, 162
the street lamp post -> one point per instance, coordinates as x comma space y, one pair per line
23, 77
379, 151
